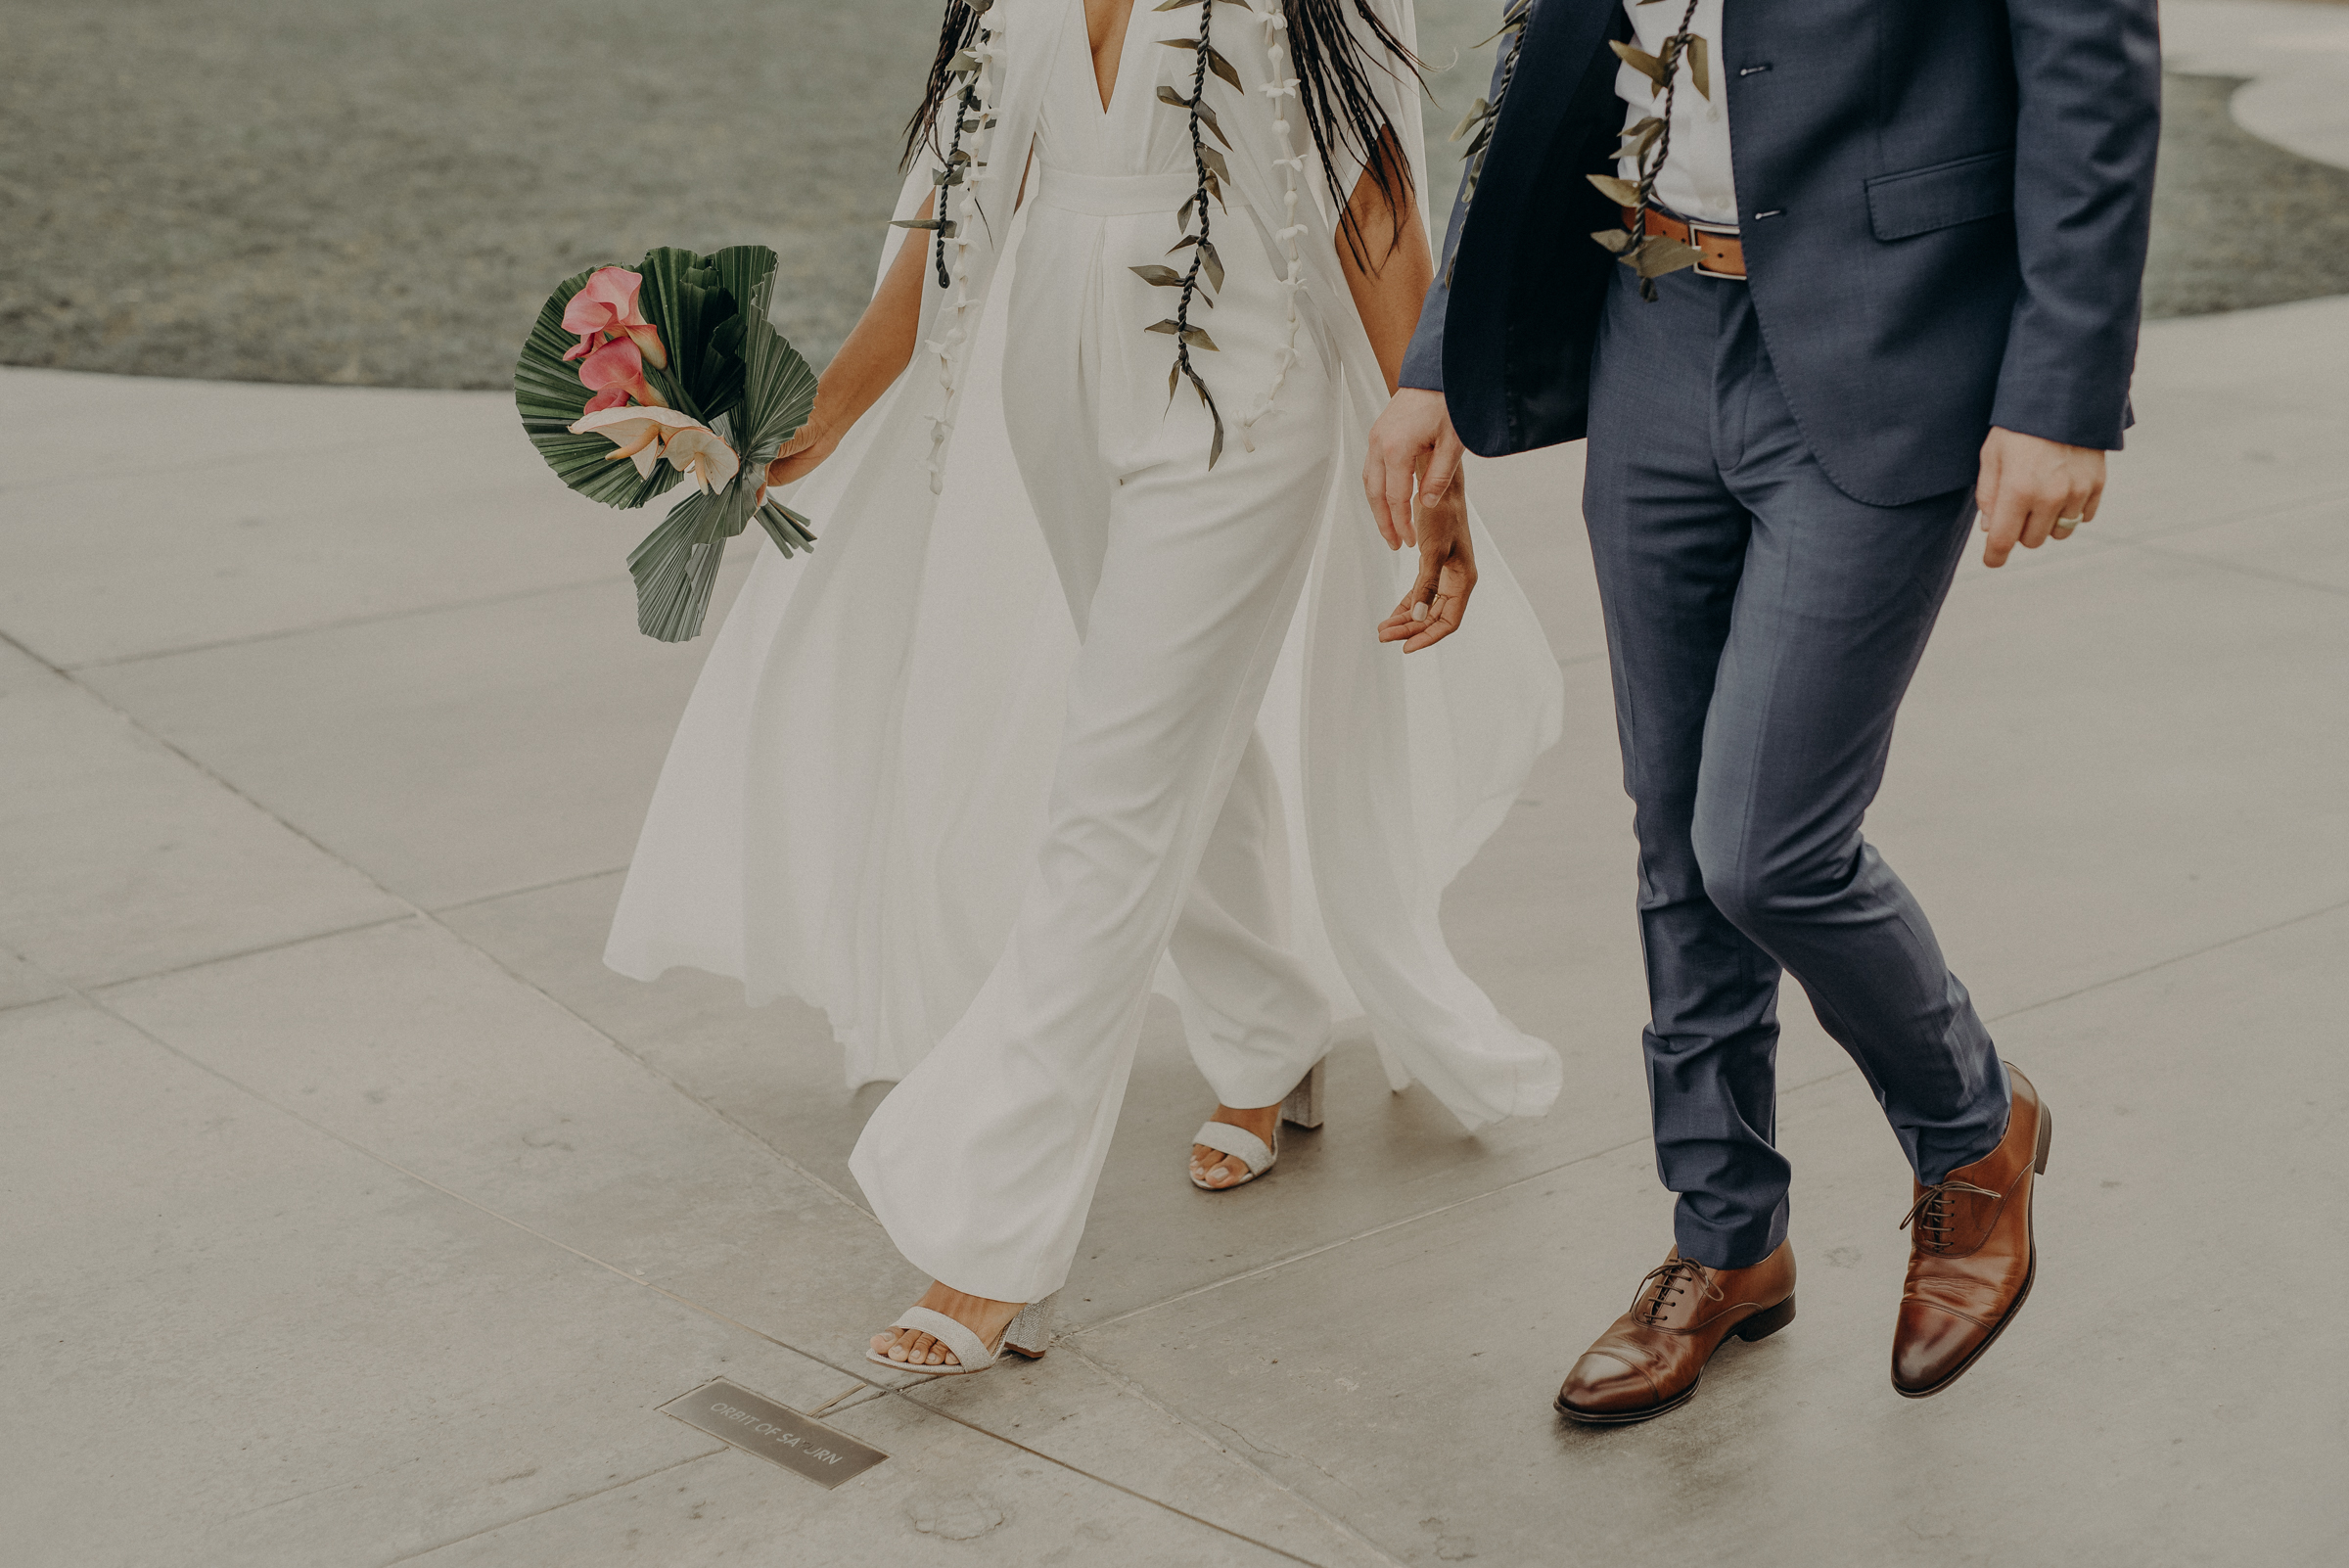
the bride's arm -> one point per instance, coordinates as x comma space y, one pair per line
1389, 282
877, 350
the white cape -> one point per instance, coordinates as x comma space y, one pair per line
859, 784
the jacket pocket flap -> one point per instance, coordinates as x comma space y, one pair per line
1936, 197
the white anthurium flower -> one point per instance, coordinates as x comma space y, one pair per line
642, 432
700, 452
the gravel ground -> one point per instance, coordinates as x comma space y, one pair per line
2237, 221
383, 191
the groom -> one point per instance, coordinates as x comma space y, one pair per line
1865, 270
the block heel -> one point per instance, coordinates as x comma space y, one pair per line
1762, 1325
1303, 1107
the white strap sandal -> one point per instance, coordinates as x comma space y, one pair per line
1029, 1335
1303, 1108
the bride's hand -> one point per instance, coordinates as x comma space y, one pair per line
802, 453
1431, 611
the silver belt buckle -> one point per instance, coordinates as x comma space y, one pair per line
1697, 230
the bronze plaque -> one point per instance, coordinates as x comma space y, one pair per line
758, 1425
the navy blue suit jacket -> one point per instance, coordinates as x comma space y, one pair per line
1944, 204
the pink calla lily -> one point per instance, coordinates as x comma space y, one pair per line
618, 367
646, 434
607, 308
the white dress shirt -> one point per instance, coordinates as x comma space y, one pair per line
1696, 181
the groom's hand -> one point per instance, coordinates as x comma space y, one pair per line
1431, 612
2033, 490
1411, 440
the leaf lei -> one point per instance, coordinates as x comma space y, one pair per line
1649, 141
1477, 124
1212, 172
970, 116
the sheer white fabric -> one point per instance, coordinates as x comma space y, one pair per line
859, 784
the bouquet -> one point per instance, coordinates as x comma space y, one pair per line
676, 368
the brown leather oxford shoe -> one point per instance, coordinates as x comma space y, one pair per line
1971, 1257
1650, 1362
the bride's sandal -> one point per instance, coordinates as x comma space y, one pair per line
1029, 1334
1303, 1108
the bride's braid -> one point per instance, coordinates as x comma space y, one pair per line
1342, 109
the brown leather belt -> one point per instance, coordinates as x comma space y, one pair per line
1717, 242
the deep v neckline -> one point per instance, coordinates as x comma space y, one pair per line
1092, 64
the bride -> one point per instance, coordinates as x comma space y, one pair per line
1083, 692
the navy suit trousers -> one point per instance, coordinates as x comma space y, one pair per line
1763, 626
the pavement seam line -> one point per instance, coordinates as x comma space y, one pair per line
418, 913
2229, 564
2174, 958
2259, 511
370, 618
168, 970
525, 892
1137, 1390
552, 1507
642, 1282
903, 1394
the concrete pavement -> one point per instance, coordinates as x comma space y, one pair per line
357, 1216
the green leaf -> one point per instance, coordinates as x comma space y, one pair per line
1513, 19
675, 568
1617, 240
1700, 71
1215, 265
1215, 166
685, 292
1622, 193
1658, 255
1158, 276
1215, 59
778, 385
1196, 336
1207, 115
1638, 60
786, 527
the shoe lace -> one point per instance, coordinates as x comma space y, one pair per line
1672, 1277
1931, 1212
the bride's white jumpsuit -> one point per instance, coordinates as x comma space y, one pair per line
1164, 830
